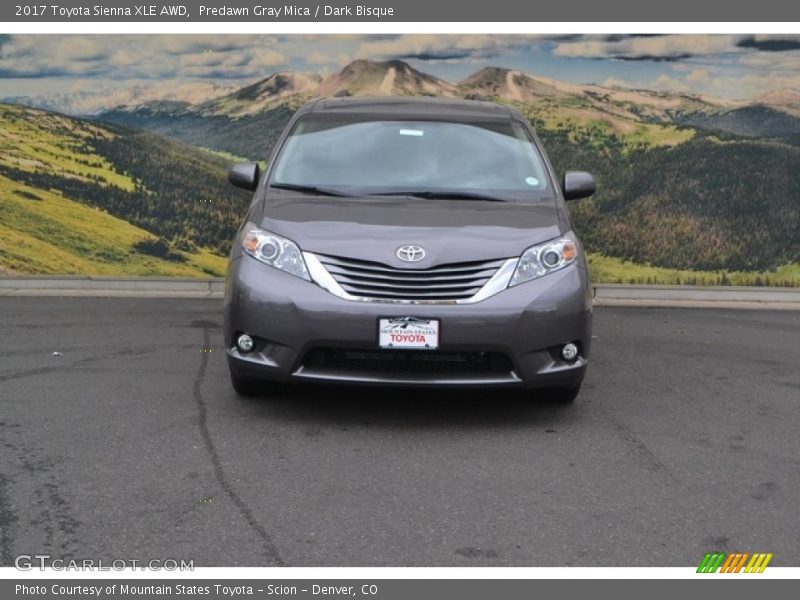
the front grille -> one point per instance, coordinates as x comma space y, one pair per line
406, 362
368, 279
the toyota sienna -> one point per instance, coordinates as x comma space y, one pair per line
408, 241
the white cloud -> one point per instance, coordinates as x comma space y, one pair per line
442, 47
654, 47
698, 76
266, 57
774, 61
320, 58
140, 56
666, 83
753, 84
616, 82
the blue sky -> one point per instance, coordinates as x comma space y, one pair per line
726, 66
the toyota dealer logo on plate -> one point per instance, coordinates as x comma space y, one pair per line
408, 333
410, 253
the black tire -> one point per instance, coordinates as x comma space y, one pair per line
252, 388
563, 395
246, 387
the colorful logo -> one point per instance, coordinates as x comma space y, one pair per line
735, 562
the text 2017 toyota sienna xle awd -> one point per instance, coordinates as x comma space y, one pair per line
408, 241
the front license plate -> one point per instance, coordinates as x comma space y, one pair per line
408, 332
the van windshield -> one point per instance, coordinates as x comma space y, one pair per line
436, 159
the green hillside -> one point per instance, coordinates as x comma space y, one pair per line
605, 269
251, 135
42, 232
584, 122
748, 121
79, 197
700, 205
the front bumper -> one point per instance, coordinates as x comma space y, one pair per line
294, 320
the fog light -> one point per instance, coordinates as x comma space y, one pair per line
245, 343
569, 352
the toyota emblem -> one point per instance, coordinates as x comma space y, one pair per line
410, 253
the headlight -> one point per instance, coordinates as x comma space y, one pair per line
274, 250
545, 258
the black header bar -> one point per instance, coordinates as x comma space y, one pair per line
209, 11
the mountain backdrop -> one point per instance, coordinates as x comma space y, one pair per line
690, 189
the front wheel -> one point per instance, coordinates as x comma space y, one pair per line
244, 386
562, 395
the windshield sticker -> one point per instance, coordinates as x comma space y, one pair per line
415, 132
532, 181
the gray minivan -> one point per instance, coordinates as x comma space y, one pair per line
408, 241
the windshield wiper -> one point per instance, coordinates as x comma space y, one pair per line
308, 189
432, 194
446, 195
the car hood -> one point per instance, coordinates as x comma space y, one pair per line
448, 230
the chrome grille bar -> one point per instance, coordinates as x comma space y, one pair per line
453, 283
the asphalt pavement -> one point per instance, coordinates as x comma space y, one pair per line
120, 437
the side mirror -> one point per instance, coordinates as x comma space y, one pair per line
244, 175
578, 184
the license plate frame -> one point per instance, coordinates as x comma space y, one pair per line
421, 333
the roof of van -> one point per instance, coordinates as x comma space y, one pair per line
409, 106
